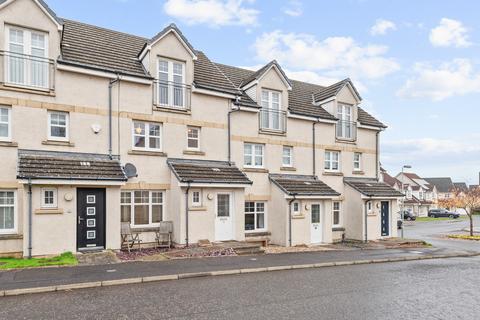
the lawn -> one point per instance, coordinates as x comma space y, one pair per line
64, 259
464, 237
424, 219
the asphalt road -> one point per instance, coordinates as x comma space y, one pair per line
434, 232
429, 289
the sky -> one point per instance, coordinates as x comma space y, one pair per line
415, 63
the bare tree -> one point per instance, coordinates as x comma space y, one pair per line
468, 200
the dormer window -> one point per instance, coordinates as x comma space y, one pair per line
26, 58
271, 116
171, 88
346, 128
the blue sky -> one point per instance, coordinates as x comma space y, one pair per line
416, 63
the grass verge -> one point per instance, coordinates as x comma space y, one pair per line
464, 237
425, 219
64, 259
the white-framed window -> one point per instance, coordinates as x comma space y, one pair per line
287, 156
332, 160
270, 113
337, 214
196, 198
26, 60
253, 155
357, 161
171, 83
8, 211
345, 128
193, 138
142, 207
255, 216
5, 123
49, 197
296, 207
58, 125
147, 136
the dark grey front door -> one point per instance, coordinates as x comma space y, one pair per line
385, 217
90, 218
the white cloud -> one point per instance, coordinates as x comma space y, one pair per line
294, 8
438, 83
335, 57
449, 33
456, 157
214, 13
381, 27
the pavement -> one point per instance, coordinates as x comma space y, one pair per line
426, 289
24, 281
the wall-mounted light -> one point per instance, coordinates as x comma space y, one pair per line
96, 128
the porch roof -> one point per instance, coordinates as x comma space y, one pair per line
37, 164
207, 171
302, 185
371, 187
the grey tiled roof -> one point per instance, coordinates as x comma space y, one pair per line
372, 188
208, 75
302, 185
258, 74
365, 118
207, 171
333, 90
37, 164
101, 48
460, 186
443, 184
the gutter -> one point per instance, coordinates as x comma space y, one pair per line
229, 125
29, 218
186, 212
290, 219
110, 86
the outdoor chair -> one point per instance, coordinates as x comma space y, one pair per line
129, 238
163, 236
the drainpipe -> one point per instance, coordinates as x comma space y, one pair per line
366, 217
314, 167
290, 219
110, 86
377, 138
237, 108
186, 212
29, 218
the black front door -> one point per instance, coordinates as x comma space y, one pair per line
385, 216
90, 218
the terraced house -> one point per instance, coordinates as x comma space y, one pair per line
99, 127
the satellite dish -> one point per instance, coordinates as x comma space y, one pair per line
130, 170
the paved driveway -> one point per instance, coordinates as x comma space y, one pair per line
434, 233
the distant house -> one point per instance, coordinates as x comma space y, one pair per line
421, 195
444, 186
460, 186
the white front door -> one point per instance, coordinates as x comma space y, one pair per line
224, 217
316, 224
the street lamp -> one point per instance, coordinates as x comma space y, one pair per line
403, 199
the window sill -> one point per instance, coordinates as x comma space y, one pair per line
358, 172
288, 169
259, 170
147, 153
11, 236
144, 229
349, 141
194, 152
338, 228
58, 143
272, 132
10, 144
298, 216
172, 109
20, 88
49, 211
332, 173
197, 208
